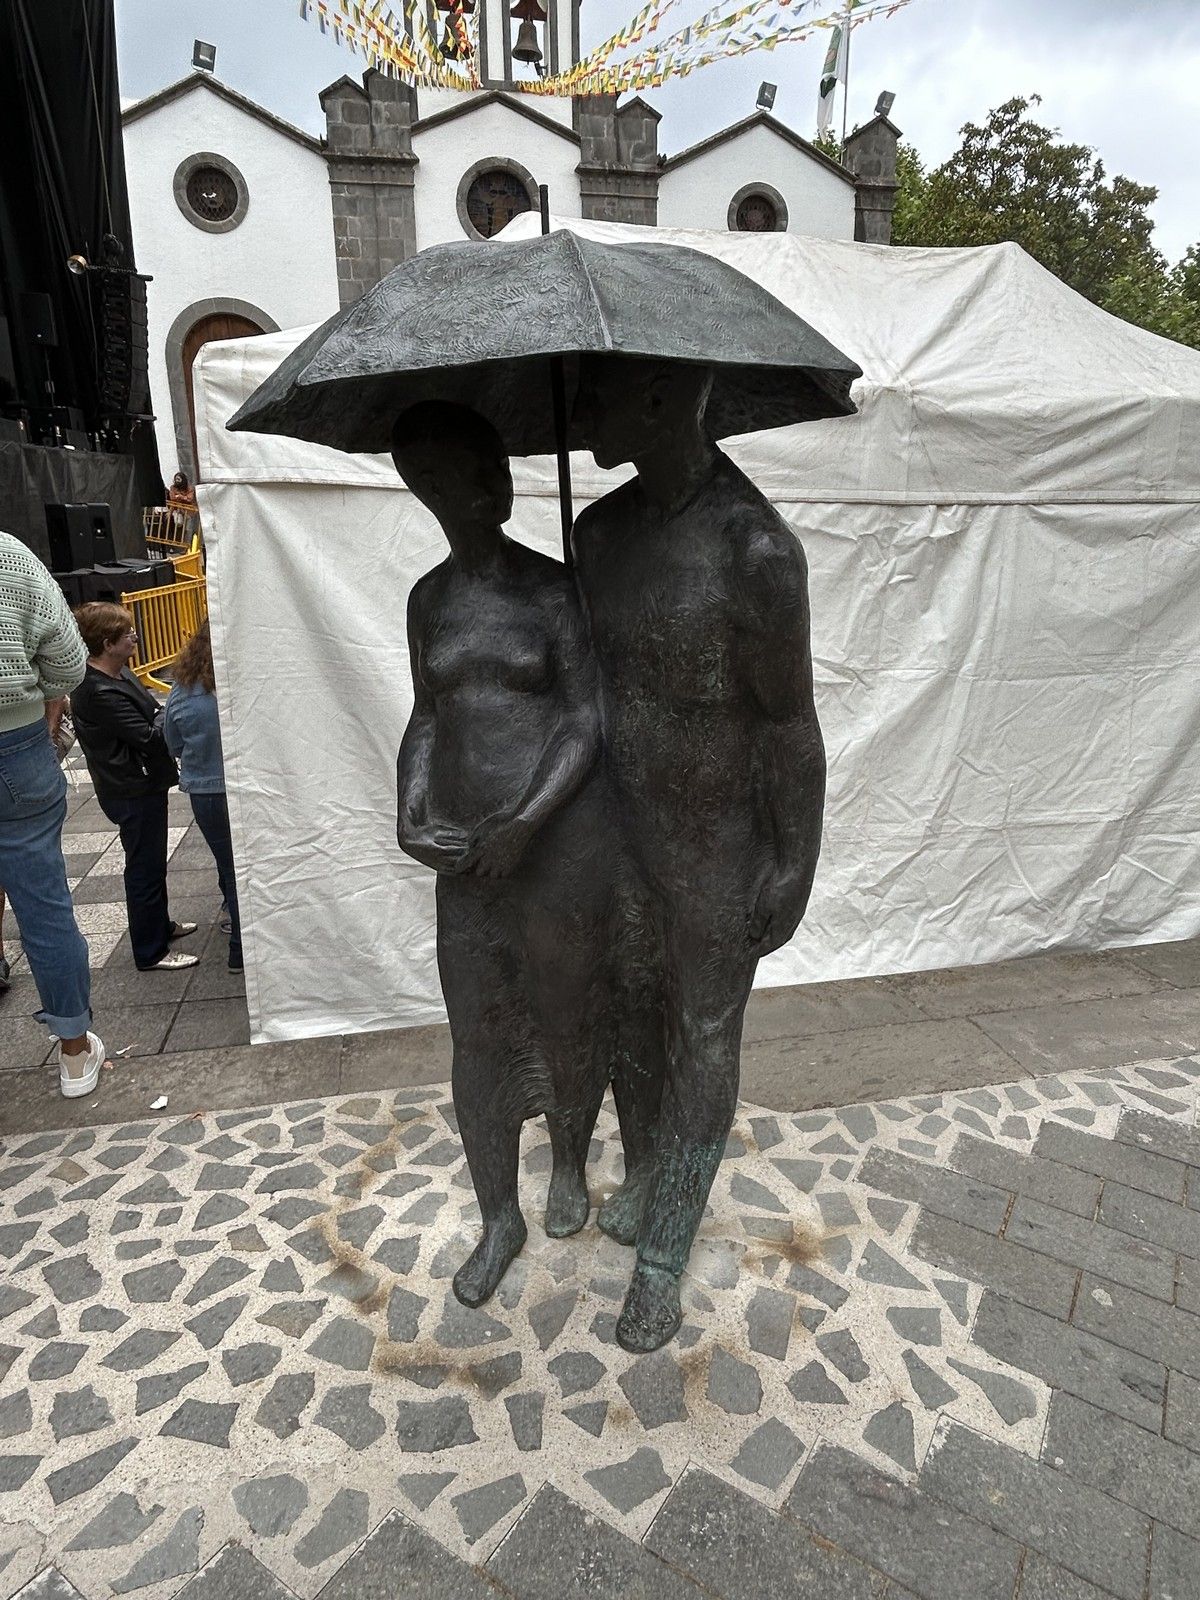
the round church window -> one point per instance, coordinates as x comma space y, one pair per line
494, 198
758, 208
757, 214
212, 194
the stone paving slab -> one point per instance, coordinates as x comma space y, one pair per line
236, 1327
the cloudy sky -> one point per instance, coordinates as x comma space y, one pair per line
1119, 75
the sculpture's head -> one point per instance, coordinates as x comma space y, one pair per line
454, 461
627, 406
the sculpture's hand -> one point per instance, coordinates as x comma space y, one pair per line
440, 845
497, 846
414, 813
778, 911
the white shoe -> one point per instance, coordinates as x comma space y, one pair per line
180, 930
79, 1075
174, 962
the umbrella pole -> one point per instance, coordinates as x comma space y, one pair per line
558, 399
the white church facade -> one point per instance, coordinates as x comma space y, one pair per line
248, 224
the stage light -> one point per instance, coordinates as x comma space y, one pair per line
204, 56
883, 106
766, 96
78, 265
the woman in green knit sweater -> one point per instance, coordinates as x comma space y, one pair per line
42, 658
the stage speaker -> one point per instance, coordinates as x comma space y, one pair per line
38, 311
103, 549
138, 574
94, 585
72, 588
164, 572
124, 347
69, 529
12, 431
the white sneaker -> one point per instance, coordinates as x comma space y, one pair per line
172, 963
79, 1075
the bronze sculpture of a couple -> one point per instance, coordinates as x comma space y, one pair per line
614, 764
618, 776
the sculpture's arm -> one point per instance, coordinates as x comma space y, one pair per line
566, 758
777, 667
428, 841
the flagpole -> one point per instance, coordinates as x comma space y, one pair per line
846, 79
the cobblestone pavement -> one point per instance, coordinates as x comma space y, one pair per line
947, 1346
138, 1013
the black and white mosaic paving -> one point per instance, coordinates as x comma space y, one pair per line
239, 1327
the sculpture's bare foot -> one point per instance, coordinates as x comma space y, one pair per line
651, 1314
477, 1278
567, 1204
620, 1216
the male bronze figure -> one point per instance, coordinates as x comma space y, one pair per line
696, 597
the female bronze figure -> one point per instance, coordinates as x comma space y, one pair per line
501, 793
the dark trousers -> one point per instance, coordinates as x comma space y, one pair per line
211, 812
143, 825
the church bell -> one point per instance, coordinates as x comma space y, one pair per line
527, 47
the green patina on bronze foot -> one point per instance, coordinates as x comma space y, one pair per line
621, 1214
651, 1314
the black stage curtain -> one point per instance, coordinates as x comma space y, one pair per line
32, 477
62, 189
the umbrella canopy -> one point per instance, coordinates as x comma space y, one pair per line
482, 325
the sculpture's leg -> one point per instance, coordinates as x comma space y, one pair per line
707, 993
563, 938
637, 1090
491, 1136
640, 1059
474, 941
567, 1201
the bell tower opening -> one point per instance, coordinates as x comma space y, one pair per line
524, 39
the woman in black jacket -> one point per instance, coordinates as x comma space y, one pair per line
119, 726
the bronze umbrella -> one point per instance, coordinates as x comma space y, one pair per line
487, 325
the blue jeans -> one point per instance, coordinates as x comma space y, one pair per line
33, 808
143, 826
211, 812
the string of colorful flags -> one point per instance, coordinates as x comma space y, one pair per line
397, 39
718, 35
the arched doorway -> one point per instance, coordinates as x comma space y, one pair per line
203, 323
220, 325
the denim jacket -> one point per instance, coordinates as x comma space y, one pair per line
194, 739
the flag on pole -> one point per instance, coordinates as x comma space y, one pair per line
832, 73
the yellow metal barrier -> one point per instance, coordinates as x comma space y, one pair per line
165, 619
192, 564
170, 528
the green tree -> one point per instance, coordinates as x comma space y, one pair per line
910, 195
1012, 178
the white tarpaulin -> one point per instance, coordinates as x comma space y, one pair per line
1004, 553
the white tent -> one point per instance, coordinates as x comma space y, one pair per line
1004, 552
